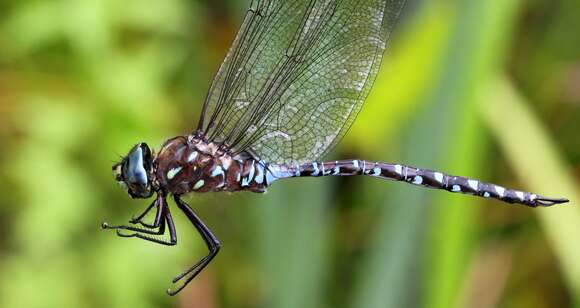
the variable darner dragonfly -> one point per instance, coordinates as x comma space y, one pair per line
292, 83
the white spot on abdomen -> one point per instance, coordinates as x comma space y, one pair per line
418, 180
456, 188
316, 170
438, 177
473, 184
297, 173
398, 169
336, 169
500, 191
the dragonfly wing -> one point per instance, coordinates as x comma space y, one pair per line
297, 75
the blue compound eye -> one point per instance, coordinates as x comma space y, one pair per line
135, 171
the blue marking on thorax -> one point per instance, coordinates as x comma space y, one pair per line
246, 181
252, 171
259, 174
217, 171
173, 172
192, 156
226, 164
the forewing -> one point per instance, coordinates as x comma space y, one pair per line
297, 75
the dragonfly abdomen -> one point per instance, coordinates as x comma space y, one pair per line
416, 176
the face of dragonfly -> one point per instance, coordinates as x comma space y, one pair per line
133, 172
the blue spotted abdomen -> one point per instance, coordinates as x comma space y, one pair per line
412, 175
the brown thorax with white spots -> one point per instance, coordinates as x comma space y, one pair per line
191, 164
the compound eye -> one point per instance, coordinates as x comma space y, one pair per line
135, 170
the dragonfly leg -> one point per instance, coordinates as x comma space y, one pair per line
162, 219
213, 244
140, 233
138, 219
158, 223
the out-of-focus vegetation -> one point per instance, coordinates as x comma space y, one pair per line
488, 89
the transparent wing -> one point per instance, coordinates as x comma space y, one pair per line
296, 76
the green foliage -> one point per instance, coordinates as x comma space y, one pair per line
487, 89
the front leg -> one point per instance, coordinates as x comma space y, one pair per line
163, 218
213, 244
138, 219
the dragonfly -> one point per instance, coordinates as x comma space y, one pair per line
290, 86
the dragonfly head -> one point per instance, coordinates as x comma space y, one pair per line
134, 171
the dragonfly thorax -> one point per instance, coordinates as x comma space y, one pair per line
191, 164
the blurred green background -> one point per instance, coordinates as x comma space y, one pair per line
487, 89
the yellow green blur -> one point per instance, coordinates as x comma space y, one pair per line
486, 89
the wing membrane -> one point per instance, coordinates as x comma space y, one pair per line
296, 76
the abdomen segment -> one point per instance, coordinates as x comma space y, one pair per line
415, 176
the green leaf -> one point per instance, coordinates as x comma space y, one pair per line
537, 163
